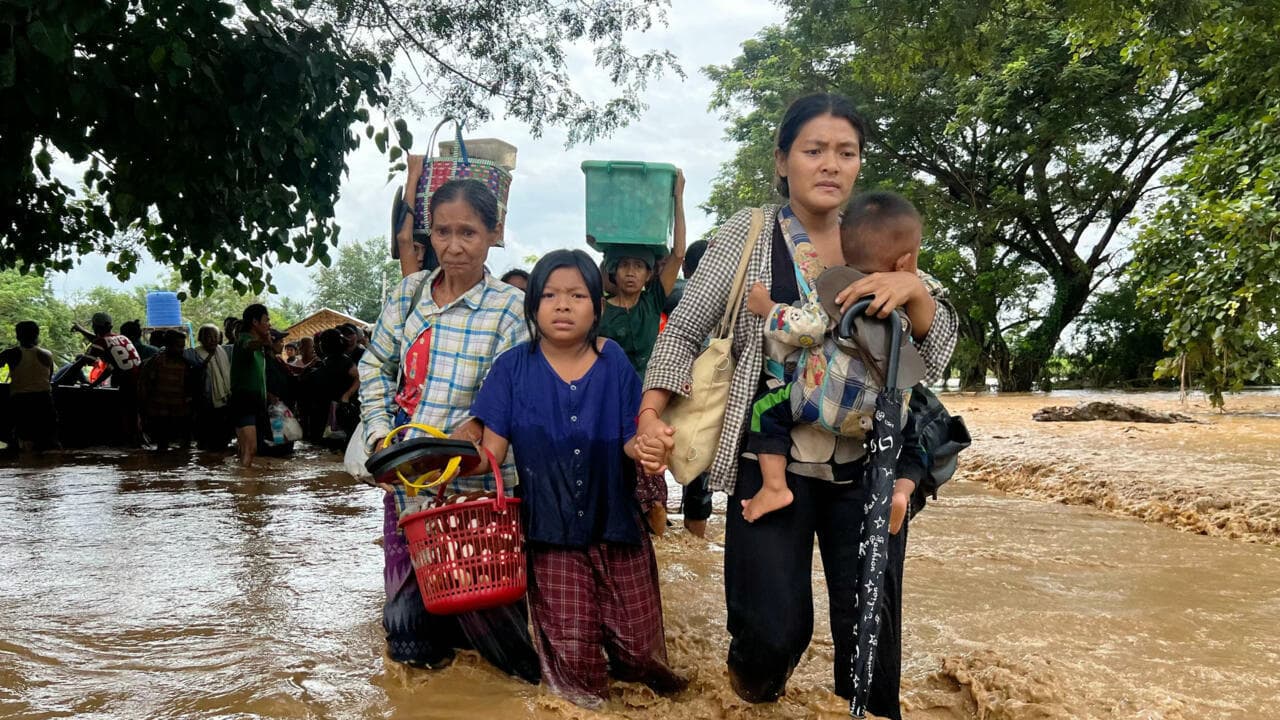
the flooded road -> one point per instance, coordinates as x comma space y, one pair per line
184, 587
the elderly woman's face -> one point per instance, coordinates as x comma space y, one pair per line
460, 239
822, 164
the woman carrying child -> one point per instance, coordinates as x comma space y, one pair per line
565, 402
632, 315
768, 576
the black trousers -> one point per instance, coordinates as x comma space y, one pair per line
695, 502
769, 588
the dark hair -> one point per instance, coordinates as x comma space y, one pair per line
159, 338
873, 227
331, 343
693, 256
346, 329
27, 332
475, 193
131, 329
252, 314
552, 261
506, 276
807, 108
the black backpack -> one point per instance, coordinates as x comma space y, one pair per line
942, 437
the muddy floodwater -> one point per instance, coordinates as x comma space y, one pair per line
1091, 570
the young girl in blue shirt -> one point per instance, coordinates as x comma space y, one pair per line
565, 402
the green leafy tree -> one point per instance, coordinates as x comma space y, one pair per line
286, 312
1209, 260
214, 134
121, 304
1039, 154
359, 283
30, 297
1119, 341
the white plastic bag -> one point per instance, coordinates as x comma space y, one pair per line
292, 428
356, 455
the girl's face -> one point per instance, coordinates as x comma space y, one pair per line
565, 313
632, 275
460, 239
822, 164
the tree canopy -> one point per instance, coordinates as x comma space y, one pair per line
359, 282
1208, 260
1028, 156
214, 134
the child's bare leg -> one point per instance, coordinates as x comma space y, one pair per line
775, 494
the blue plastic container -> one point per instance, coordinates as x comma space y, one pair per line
163, 309
629, 203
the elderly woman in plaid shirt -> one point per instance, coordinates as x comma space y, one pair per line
768, 583
430, 350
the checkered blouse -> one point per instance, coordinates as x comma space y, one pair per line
700, 310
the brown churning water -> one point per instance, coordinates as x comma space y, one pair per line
136, 587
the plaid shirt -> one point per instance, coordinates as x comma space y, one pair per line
700, 310
467, 335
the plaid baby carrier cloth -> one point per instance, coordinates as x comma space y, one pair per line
834, 384
835, 387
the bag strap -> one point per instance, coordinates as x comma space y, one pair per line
734, 305
460, 151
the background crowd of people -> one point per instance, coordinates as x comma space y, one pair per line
169, 393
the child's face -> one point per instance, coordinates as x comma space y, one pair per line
565, 313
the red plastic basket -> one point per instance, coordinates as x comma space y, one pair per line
468, 555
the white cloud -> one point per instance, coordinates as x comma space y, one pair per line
547, 193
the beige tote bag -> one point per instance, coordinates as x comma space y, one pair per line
698, 418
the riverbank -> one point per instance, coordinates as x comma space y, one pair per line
1219, 476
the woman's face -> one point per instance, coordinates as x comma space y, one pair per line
460, 239
822, 165
565, 313
632, 275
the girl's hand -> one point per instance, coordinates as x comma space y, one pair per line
654, 440
892, 290
679, 188
759, 302
652, 454
471, 431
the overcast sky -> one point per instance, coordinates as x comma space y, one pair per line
546, 204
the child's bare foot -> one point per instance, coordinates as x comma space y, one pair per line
765, 501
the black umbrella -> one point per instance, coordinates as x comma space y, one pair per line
884, 444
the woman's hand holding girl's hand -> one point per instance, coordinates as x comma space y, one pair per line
652, 454
758, 301
654, 440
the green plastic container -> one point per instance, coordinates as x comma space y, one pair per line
629, 203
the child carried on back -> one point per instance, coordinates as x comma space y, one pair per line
880, 232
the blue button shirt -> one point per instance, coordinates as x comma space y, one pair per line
578, 487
